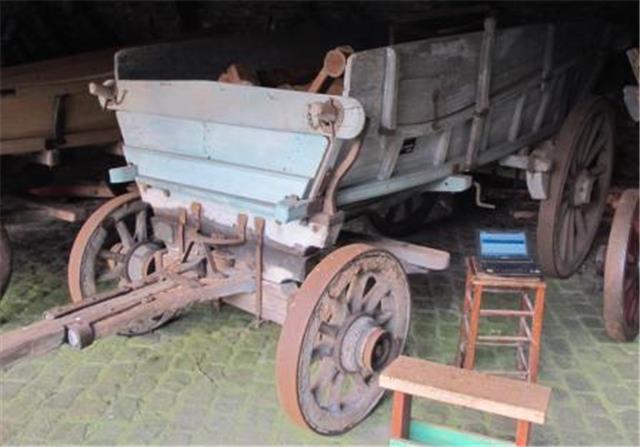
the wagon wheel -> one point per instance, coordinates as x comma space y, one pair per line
114, 247
348, 320
404, 218
569, 218
5, 260
621, 271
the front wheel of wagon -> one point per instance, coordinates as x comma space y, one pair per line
569, 218
115, 247
348, 320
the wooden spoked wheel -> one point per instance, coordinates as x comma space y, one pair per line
5, 260
404, 218
114, 247
621, 267
348, 320
568, 220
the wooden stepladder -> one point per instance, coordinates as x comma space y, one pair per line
407, 377
531, 291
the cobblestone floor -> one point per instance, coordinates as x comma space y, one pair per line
208, 378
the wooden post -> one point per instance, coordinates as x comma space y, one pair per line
536, 333
522, 321
522, 433
400, 415
472, 336
463, 335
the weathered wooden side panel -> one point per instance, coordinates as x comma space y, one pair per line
47, 105
534, 74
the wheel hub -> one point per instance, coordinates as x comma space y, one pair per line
363, 345
139, 262
583, 188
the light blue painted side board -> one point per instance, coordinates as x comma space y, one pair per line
285, 152
235, 180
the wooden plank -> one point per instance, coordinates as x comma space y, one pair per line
240, 105
390, 90
417, 255
30, 341
174, 300
482, 91
19, 146
209, 175
93, 190
467, 388
51, 70
274, 302
285, 152
67, 213
30, 115
44, 336
110, 316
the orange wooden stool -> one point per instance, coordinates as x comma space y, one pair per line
530, 317
529, 334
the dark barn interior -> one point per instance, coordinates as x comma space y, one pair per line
82, 193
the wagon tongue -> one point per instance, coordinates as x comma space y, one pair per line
121, 311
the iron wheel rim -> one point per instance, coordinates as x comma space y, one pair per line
301, 377
98, 255
566, 228
621, 281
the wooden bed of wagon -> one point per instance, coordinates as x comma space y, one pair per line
244, 190
46, 105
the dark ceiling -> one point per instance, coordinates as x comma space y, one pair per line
33, 31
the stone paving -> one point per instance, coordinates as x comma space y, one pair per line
208, 378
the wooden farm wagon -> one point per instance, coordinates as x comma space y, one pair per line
244, 189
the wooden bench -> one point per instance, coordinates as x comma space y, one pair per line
407, 377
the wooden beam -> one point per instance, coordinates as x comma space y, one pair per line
109, 316
413, 254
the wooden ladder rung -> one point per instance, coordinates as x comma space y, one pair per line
504, 338
506, 344
499, 372
505, 313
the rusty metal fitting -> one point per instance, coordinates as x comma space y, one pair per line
325, 115
80, 334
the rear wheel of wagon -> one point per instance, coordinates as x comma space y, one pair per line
620, 309
569, 218
5, 260
348, 320
114, 247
